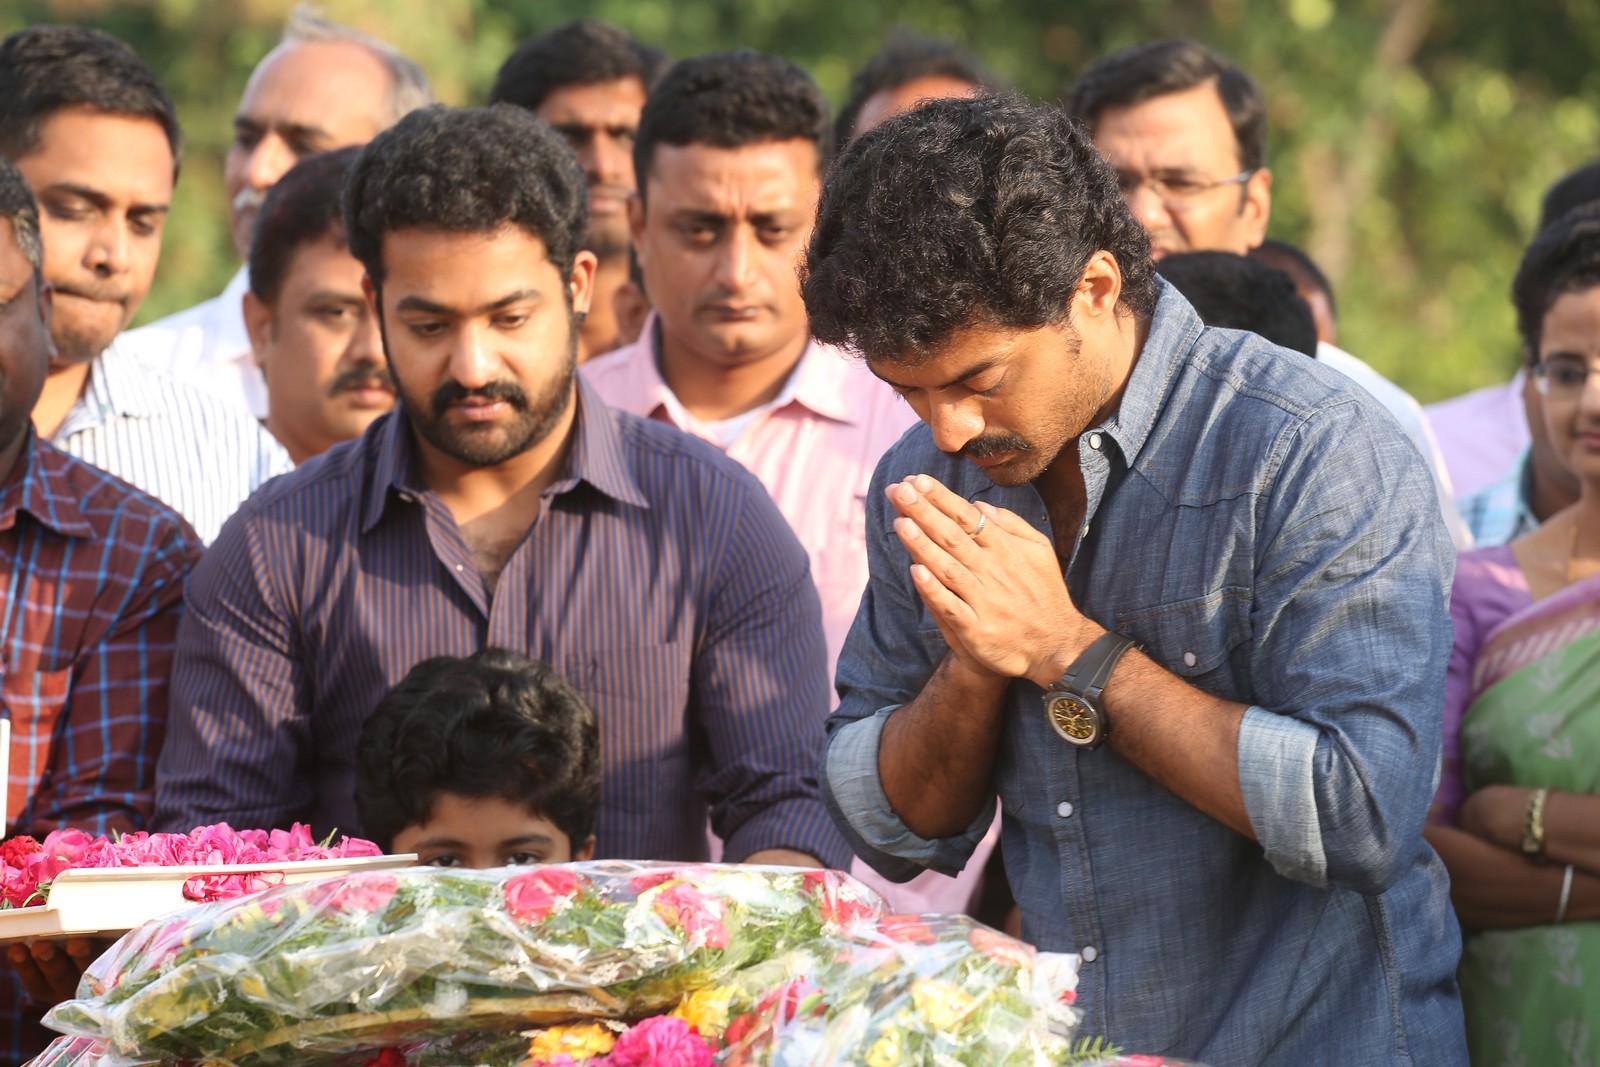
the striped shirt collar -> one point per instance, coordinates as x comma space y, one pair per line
37, 485
119, 387
820, 382
597, 458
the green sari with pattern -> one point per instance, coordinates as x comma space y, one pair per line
1532, 995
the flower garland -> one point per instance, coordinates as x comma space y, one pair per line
28, 866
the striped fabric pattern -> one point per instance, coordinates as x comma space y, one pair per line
193, 451
93, 573
659, 578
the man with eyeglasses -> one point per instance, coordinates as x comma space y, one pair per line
1186, 132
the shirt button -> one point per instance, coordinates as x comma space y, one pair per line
1089, 954
1189, 659
460, 567
1094, 441
408, 498
1064, 809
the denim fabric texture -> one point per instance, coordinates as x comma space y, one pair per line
1265, 530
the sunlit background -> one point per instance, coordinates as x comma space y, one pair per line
1410, 139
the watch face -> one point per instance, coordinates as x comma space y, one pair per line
1075, 719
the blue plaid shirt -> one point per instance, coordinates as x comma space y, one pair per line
1264, 529
1500, 513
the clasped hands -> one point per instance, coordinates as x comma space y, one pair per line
991, 582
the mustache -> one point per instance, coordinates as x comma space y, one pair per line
622, 192
249, 198
453, 392
993, 445
361, 378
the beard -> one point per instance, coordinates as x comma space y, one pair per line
490, 444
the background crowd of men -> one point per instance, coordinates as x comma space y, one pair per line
443, 377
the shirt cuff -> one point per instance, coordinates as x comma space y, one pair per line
797, 823
854, 794
1277, 777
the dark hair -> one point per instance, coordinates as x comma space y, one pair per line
18, 207
580, 52
961, 212
1564, 258
905, 58
466, 170
1157, 68
1573, 190
494, 724
729, 100
1299, 266
1240, 293
45, 69
302, 208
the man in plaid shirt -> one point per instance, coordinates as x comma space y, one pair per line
92, 572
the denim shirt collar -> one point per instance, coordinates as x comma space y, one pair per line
1174, 329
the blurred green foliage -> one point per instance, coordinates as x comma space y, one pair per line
1411, 139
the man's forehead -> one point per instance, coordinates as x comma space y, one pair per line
618, 102
328, 85
772, 175
1186, 128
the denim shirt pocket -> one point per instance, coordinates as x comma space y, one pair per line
1200, 639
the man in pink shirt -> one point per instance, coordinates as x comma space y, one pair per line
729, 157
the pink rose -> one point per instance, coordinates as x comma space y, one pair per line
531, 897
662, 1041
697, 915
365, 892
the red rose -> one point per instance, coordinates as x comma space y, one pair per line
531, 897
16, 851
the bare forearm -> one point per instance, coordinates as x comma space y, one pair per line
783, 857
1572, 830
1494, 888
1185, 739
936, 758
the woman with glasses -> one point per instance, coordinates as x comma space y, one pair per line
1517, 816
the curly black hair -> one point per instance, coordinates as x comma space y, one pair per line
301, 208
467, 170
906, 57
1157, 68
729, 100
963, 212
45, 69
1241, 293
580, 52
494, 724
1563, 258
18, 207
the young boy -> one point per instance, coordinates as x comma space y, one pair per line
481, 762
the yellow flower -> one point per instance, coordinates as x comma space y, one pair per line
580, 1041
706, 1010
885, 1052
943, 1004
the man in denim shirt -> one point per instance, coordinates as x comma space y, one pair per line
1241, 865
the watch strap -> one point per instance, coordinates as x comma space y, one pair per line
1091, 671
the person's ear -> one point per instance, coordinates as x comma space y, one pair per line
636, 225
580, 283
1100, 288
1256, 211
579, 855
258, 324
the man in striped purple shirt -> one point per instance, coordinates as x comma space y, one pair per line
504, 505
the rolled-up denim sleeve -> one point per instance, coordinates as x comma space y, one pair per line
889, 655
1338, 757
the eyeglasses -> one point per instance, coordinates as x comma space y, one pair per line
1562, 379
1177, 191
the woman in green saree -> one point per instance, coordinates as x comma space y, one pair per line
1517, 818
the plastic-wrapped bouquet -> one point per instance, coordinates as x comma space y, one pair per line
27, 866
908, 989
344, 964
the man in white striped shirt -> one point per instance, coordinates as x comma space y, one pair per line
97, 137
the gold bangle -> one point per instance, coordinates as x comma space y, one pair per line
1533, 825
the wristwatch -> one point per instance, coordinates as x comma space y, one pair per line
1073, 704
